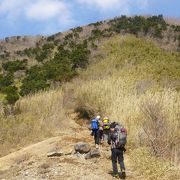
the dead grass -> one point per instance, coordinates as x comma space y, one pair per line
36, 117
20, 159
158, 130
151, 167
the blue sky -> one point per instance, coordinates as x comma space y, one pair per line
45, 17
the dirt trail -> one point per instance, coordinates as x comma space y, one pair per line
32, 162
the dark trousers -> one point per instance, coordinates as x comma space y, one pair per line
100, 134
117, 155
96, 136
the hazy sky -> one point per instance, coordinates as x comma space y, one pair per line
33, 17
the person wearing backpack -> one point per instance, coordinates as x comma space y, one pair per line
106, 128
95, 130
117, 139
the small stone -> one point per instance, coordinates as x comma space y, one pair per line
54, 154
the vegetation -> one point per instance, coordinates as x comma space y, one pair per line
77, 29
13, 66
11, 94
57, 60
154, 25
61, 68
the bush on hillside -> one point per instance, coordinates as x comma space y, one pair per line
34, 81
51, 38
13, 66
68, 37
96, 33
31, 52
6, 81
77, 29
96, 24
11, 94
42, 55
154, 25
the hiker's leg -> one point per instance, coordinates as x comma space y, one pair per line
114, 161
94, 134
100, 136
121, 159
106, 136
97, 137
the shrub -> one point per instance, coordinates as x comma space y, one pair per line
13, 66
11, 94
51, 38
154, 25
31, 52
34, 81
48, 46
96, 33
68, 37
96, 24
5, 81
77, 29
42, 55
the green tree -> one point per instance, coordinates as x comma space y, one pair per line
11, 94
5, 81
13, 66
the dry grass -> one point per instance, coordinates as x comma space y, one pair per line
158, 130
36, 117
151, 167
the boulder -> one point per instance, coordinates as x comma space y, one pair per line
93, 154
82, 147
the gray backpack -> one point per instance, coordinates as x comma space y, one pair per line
121, 136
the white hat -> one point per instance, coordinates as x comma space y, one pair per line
98, 117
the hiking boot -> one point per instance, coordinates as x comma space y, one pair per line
115, 175
123, 174
97, 146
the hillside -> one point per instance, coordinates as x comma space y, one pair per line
120, 72
32, 162
30, 64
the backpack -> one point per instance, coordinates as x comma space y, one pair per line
121, 136
94, 124
106, 124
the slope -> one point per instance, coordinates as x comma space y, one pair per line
32, 162
50, 61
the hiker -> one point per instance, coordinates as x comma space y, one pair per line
117, 139
95, 130
106, 128
100, 131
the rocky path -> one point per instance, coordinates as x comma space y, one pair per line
32, 163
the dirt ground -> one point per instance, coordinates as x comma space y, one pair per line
32, 163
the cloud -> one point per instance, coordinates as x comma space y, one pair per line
43, 10
36, 16
105, 5
37, 10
